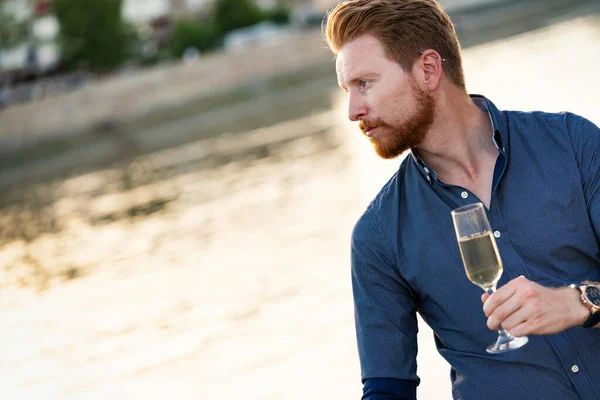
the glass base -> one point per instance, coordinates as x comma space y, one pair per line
507, 343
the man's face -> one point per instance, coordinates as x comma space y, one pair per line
392, 111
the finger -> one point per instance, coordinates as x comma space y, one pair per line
522, 329
518, 318
503, 294
497, 298
484, 297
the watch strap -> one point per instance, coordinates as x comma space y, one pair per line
592, 321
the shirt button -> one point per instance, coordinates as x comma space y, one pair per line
426, 170
575, 368
428, 178
464, 195
497, 234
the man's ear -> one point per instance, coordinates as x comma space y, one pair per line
431, 68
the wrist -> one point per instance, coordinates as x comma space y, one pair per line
580, 313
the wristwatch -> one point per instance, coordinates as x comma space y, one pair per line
590, 297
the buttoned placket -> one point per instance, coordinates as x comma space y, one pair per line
514, 266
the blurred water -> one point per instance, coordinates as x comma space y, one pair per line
220, 268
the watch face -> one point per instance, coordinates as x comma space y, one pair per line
593, 295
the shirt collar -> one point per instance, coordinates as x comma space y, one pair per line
499, 134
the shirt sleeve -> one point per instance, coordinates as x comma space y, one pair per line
585, 138
389, 389
384, 305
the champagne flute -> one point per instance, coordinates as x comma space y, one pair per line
482, 262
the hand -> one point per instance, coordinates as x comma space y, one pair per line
524, 307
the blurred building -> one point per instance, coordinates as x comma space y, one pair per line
29, 41
144, 11
147, 10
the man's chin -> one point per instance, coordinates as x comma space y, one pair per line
388, 153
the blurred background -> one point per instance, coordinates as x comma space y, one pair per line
179, 183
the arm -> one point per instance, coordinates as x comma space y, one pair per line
385, 316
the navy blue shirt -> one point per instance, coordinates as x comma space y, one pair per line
545, 212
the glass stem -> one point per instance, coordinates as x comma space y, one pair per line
502, 332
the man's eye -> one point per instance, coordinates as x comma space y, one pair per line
364, 83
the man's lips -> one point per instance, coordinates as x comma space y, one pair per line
368, 131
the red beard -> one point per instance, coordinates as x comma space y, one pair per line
392, 140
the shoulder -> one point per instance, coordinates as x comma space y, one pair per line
561, 122
578, 125
554, 133
380, 216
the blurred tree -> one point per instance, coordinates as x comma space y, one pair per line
234, 14
12, 31
131, 40
280, 14
92, 32
202, 36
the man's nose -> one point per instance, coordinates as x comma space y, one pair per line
356, 108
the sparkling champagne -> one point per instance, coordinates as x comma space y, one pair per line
482, 262
481, 259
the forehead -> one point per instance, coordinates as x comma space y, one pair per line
362, 55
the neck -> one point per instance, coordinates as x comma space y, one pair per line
459, 144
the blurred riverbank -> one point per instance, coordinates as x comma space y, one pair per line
152, 110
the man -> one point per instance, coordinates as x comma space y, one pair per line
537, 174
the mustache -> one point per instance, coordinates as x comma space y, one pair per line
366, 126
